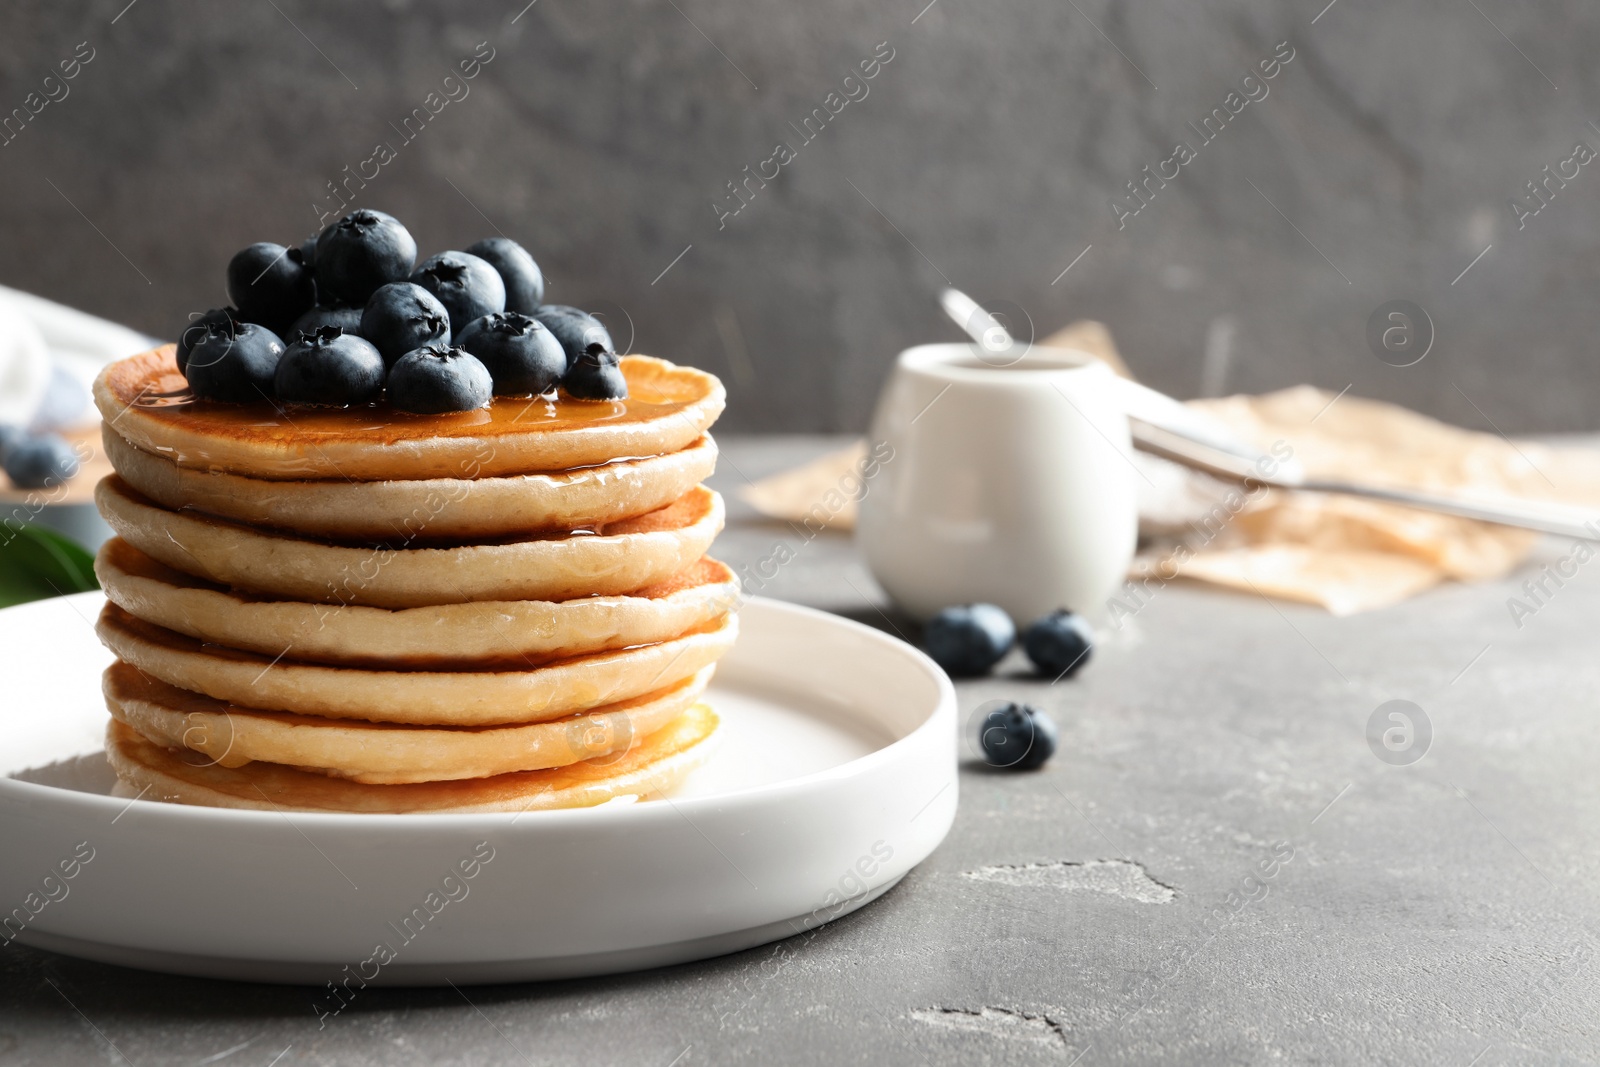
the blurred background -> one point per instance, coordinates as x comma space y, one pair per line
988, 152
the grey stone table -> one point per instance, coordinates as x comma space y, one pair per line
1216, 868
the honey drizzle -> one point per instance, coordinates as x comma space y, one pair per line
378, 423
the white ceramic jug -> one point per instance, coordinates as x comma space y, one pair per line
1012, 485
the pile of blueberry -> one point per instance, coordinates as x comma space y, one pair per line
349, 316
35, 461
967, 641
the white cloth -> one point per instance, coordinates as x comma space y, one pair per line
49, 356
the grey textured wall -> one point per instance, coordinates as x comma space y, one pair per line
987, 151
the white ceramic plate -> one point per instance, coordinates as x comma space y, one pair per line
836, 775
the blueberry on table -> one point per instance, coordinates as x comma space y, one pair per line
330, 367
523, 357
41, 462
523, 279
1017, 736
359, 254
596, 376
969, 640
576, 330
347, 319
308, 253
438, 379
1059, 644
467, 286
401, 317
235, 361
195, 332
270, 285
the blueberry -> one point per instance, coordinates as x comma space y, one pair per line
969, 640
41, 462
523, 357
402, 317
1059, 643
596, 376
269, 285
195, 332
576, 330
1017, 736
467, 286
330, 367
308, 253
523, 279
438, 379
360, 253
235, 361
346, 318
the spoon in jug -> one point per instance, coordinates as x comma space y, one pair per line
1162, 426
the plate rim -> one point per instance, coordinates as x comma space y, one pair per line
29, 793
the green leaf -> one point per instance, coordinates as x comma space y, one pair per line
36, 563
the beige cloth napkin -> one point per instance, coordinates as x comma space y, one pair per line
1343, 553
1349, 554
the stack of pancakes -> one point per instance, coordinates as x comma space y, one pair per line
361, 610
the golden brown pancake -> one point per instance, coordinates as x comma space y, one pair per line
383, 753
444, 635
421, 508
620, 558
145, 400
517, 693
362, 610
649, 769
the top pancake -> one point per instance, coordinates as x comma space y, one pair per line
147, 401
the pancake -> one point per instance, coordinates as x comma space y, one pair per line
652, 767
145, 399
381, 753
427, 508
511, 694
442, 635
620, 558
